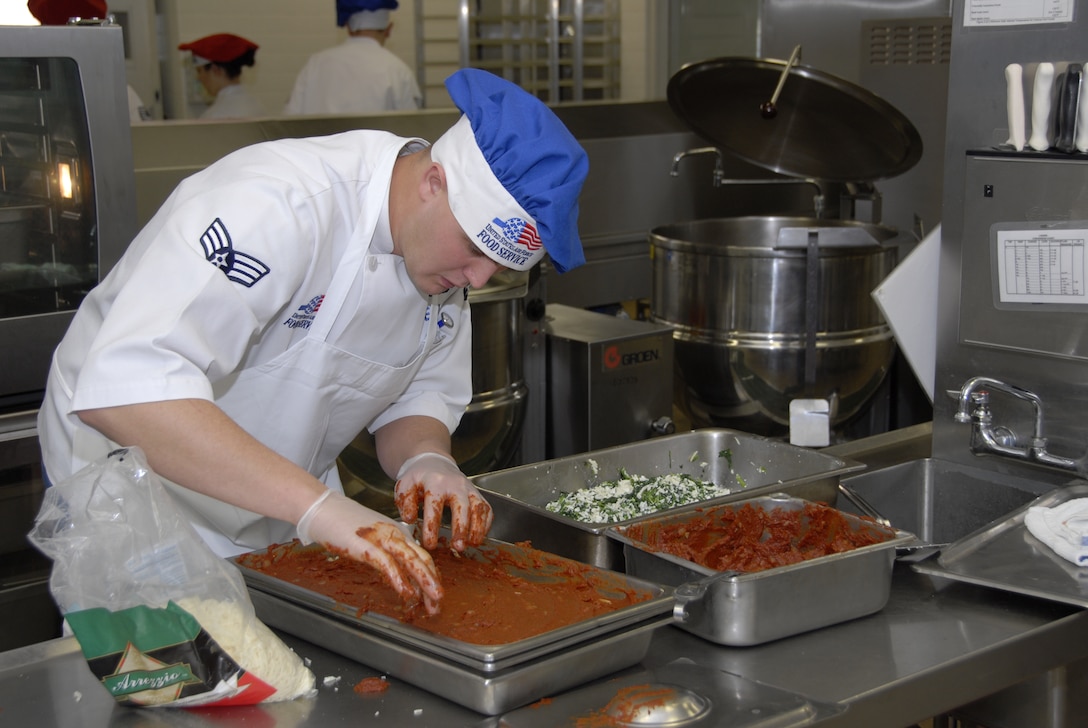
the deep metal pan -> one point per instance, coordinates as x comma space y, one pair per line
825, 128
749, 465
738, 609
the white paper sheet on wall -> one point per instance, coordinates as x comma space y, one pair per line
1016, 12
908, 300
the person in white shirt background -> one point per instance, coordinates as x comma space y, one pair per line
58, 12
218, 60
359, 76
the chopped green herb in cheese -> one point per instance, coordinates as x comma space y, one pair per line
728, 455
631, 496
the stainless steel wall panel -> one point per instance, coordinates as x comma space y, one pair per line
977, 120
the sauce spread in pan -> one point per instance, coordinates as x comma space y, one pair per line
496, 596
751, 539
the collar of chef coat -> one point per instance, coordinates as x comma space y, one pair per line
382, 242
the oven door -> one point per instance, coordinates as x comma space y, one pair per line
27, 612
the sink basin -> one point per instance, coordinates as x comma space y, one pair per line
937, 500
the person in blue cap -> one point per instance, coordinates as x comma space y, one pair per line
361, 75
298, 291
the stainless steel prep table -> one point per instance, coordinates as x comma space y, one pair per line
935, 646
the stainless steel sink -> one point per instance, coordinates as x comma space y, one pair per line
937, 500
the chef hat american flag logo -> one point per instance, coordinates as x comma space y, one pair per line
522, 231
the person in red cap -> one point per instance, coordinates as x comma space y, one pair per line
359, 76
59, 12
218, 60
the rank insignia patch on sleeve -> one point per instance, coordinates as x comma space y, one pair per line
237, 266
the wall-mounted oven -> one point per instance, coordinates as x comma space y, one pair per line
67, 212
67, 192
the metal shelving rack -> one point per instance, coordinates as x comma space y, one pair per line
559, 50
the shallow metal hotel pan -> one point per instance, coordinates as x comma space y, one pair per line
748, 464
737, 609
1004, 555
490, 693
481, 658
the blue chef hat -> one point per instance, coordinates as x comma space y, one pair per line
346, 8
514, 173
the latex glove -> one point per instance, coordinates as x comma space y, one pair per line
343, 525
433, 480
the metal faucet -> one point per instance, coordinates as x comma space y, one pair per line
985, 437
719, 176
719, 171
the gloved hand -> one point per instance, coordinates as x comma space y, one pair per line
433, 480
338, 522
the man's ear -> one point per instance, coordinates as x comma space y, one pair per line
433, 182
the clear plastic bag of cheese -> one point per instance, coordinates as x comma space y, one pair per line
161, 620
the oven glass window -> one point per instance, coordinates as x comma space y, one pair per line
48, 235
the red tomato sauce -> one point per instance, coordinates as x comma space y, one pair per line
371, 686
502, 597
749, 539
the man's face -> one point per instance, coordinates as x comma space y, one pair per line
439, 255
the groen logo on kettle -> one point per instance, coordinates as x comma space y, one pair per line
616, 356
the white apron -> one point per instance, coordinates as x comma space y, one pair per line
311, 401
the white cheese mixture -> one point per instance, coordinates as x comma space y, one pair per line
631, 496
253, 646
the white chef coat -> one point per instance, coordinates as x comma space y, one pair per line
265, 283
234, 101
137, 112
359, 76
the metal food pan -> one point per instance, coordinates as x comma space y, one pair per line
754, 465
490, 693
738, 609
482, 658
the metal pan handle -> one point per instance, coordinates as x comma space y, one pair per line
692, 593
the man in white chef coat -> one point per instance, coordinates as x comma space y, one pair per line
361, 75
299, 290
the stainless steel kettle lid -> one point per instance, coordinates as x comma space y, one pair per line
822, 127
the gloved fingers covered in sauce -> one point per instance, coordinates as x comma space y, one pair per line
408, 567
431, 482
346, 527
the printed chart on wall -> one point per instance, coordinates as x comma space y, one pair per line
1041, 266
1016, 12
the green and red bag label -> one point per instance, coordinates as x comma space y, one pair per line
150, 657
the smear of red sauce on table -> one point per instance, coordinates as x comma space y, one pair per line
495, 596
371, 686
750, 538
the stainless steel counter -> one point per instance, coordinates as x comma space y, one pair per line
935, 646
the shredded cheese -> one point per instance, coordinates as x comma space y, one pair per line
632, 496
